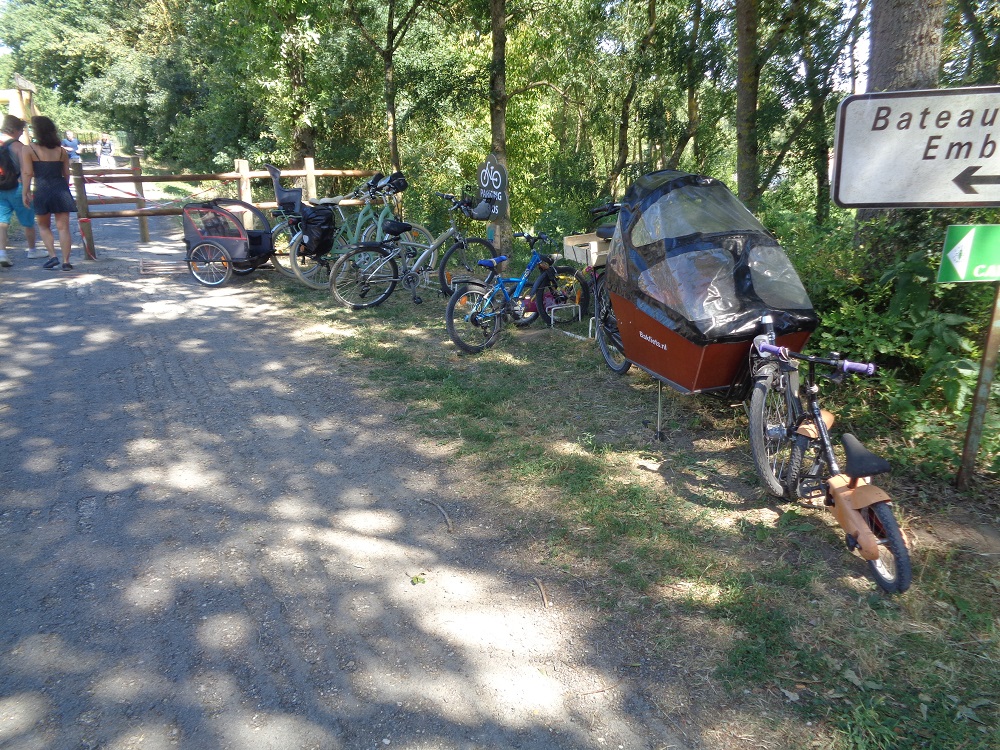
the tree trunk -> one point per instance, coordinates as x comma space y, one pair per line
621, 159
905, 53
694, 73
504, 239
747, 94
390, 110
303, 134
905, 44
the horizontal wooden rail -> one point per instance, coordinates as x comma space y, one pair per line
133, 175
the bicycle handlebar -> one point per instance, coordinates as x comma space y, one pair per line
533, 240
782, 352
605, 209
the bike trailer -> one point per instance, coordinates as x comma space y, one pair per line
224, 222
690, 273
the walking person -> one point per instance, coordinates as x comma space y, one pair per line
105, 152
45, 174
72, 145
11, 201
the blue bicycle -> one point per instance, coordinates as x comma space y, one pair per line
477, 310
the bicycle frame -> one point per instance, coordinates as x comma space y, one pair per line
847, 496
519, 282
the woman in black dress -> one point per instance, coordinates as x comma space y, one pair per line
45, 176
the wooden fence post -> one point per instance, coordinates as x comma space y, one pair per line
310, 165
83, 210
243, 168
140, 201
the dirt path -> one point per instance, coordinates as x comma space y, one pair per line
208, 539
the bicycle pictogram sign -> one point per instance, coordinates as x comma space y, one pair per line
493, 184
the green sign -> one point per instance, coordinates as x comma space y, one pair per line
971, 253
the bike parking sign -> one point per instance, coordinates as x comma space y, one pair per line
493, 185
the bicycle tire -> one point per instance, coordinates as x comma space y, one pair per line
461, 260
310, 269
474, 318
359, 273
608, 335
210, 264
770, 441
569, 287
281, 240
893, 570
800, 443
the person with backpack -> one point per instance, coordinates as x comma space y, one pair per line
11, 199
45, 174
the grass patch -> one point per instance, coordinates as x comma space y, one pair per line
676, 541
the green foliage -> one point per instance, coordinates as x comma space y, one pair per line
925, 337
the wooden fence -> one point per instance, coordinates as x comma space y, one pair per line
132, 175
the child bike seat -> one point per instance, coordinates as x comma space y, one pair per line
288, 199
492, 263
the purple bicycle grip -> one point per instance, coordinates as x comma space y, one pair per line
860, 368
770, 348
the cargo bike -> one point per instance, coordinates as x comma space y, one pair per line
692, 289
224, 237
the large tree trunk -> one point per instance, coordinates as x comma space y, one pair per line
504, 239
905, 55
905, 44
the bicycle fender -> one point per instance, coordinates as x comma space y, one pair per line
809, 429
846, 504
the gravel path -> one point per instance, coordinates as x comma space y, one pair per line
209, 539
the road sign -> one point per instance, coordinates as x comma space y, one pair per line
971, 253
920, 149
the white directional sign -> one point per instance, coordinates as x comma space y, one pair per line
921, 149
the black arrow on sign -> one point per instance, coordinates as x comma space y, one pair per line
967, 180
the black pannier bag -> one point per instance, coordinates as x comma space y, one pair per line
318, 229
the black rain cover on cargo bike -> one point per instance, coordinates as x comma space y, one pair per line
687, 253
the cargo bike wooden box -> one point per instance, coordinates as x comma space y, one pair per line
684, 279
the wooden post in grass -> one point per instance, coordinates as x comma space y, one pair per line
981, 400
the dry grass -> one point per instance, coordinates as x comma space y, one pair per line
749, 622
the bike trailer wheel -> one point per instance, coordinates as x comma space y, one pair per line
210, 264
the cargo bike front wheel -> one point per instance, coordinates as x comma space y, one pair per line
609, 338
210, 264
771, 425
